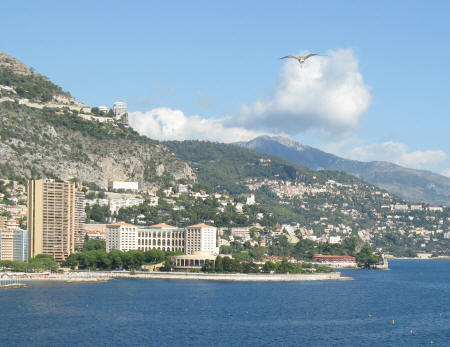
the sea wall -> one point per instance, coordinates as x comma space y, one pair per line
231, 277
97, 276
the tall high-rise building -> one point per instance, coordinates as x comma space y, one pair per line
55, 217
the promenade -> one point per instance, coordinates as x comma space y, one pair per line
99, 276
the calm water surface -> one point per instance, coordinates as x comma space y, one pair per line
415, 294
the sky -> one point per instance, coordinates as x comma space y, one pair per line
212, 70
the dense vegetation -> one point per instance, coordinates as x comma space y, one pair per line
34, 87
225, 166
41, 262
115, 260
304, 249
232, 265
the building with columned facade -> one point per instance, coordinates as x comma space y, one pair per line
161, 236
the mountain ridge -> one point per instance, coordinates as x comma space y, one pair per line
411, 184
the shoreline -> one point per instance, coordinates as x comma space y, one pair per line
442, 257
91, 277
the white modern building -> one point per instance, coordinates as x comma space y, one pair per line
120, 108
201, 237
250, 199
121, 236
103, 109
116, 204
116, 185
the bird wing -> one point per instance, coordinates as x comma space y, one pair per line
310, 55
289, 56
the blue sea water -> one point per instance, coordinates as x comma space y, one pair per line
415, 294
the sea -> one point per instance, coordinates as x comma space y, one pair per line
408, 305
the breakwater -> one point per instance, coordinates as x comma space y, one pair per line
102, 276
239, 277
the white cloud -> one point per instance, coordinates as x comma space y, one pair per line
327, 94
446, 172
395, 152
168, 124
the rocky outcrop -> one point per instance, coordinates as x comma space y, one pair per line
41, 143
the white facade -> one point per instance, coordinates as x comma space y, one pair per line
116, 204
201, 237
334, 239
120, 108
121, 236
161, 236
103, 109
123, 185
251, 199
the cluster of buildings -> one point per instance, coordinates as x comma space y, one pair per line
13, 239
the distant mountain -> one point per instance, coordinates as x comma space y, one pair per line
412, 185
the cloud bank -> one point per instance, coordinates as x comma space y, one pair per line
327, 94
168, 124
394, 152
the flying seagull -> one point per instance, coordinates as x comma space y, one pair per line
300, 59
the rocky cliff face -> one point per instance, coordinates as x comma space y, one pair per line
42, 135
41, 143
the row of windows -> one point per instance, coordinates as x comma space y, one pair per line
160, 242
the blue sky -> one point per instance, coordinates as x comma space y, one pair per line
211, 70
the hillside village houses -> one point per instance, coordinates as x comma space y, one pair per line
393, 216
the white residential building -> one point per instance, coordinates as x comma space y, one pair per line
153, 200
121, 236
116, 204
103, 109
251, 199
400, 207
120, 108
116, 185
334, 239
201, 237
435, 209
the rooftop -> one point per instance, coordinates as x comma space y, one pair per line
121, 224
200, 226
162, 226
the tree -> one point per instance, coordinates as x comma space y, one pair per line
208, 266
43, 262
269, 266
219, 264
168, 264
250, 267
367, 258
94, 244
